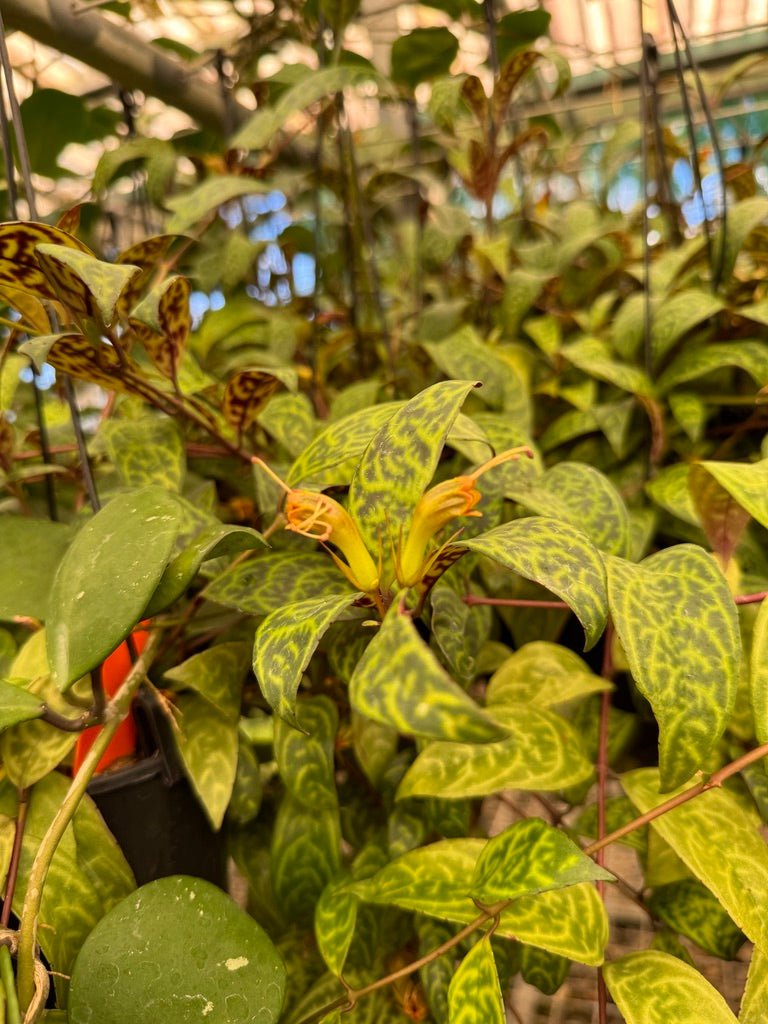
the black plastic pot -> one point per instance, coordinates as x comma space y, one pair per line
152, 812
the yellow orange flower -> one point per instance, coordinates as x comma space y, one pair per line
436, 508
313, 514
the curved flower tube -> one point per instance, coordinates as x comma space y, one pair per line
436, 508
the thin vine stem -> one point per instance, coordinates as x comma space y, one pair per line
607, 672
117, 709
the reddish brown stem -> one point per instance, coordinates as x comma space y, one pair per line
751, 598
602, 780
13, 867
514, 602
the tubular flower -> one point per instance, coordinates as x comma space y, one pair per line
315, 515
436, 508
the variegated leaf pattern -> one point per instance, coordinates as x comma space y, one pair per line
96, 363
754, 1002
747, 483
305, 856
669, 490
399, 682
88, 287
29, 308
149, 450
543, 752
247, 790
547, 971
434, 880
690, 909
305, 759
217, 674
147, 254
678, 314
284, 644
290, 420
474, 995
530, 857
335, 919
544, 674
216, 541
374, 746
332, 456
559, 557
652, 987
166, 321
619, 811
249, 390
32, 749
722, 518
678, 626
758, 675
399, 463
19, 267
459, 630
435, 976
208, 744
262, 585
749, 356
582, 496
717, 817
595, 357
406, 828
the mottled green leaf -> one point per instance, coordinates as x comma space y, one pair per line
399, 682
547, 971
521, 289
290, 420
216, 541
582, 496
542, 752
247, 790
543, 674
434, 880
305, 759
30, 551
750, 356
177, 950
594, 357
678, 626
217, 674
654, 988
305, 856
559, 557
87, 286
458, 630
435, 976
715, 819
531, 857
284, 644
207, 741
463, 355
619, 811
106, 578
146, 451
754, 1003
679, 314
690, 909
690, 412
474, 996
669, 489
264, 584
747, 483
758, 675
399, 463
374, 745
335, 919
17, 705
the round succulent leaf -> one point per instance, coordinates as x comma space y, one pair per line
177, 950
529, 857
652, 987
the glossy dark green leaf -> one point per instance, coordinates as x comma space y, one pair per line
54, 119
30, 553
559, 557
177, 950
530, 857
678, 626
106, 578
398, 682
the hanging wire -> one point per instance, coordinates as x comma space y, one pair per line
717, 260
10, 176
